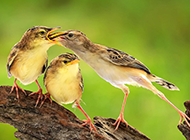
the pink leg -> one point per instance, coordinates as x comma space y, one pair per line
47, 96
183, 115
88, 121
120, 118
40, 96
16, 88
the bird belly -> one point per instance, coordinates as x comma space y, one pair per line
114, 74
63, 94
122, 75
64, 87
117, 75
28, 67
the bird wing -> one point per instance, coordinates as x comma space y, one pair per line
81, 80
120, 58
11, 58
44, 66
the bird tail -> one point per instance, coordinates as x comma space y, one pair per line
162, 82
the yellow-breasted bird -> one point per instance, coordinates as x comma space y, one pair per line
28, 58
117, 68
63, 81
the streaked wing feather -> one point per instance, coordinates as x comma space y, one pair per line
44, 66
12, 56
81, 82
123, 59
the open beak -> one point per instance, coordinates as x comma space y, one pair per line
51, 36
73, 62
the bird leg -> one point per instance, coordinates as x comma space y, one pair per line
88, 121
16, 88
183, 115
120, 118
47, 96
40, 96
147, 84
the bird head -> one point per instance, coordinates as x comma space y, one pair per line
64, 60
68, 59
39, 36
74, 39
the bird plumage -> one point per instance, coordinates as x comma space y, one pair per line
116, 67
28, 58
66, 79
64, 82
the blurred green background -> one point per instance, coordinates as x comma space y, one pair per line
155, 32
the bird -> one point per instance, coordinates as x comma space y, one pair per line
116, 67
64, 82
28, 58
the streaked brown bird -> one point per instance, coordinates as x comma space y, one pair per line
28, 58
116, 67
63, 81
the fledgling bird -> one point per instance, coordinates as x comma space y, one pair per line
116, 67
28, 58
63, 81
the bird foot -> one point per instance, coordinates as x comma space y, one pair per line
47, 96
185, 117
91, 126
40, 96
118, 121
16, 87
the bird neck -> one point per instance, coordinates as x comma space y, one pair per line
91, 47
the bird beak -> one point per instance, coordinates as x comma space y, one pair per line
62, 34
73, 62
52, 36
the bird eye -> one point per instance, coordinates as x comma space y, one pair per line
42, 32
65, 61
70, 35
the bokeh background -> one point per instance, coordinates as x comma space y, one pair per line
155, 32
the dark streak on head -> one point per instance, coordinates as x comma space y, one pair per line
76, 31
68, 56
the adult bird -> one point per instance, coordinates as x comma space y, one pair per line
63, 81
116, 67
28, 58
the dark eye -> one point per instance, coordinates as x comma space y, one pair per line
65, 61
70, 35
42, 32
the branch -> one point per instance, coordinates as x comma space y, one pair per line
185, 130
53, 121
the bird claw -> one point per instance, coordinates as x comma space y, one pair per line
185, 117
16, 87
118, 121
91, 126
40, 96
47, 96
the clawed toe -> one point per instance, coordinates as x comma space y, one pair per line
91, 126
118, 121
185, 117
47, 96
40, 96
16, 87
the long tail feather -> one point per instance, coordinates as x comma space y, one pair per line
162, 82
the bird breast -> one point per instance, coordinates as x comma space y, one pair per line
63, 86
28, 65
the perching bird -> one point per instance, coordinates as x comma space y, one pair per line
28, 58
117, 68
63, 81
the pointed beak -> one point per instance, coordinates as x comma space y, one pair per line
52, 36
73, 62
